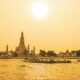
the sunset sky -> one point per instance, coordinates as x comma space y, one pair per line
58, 28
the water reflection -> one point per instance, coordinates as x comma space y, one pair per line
18, 70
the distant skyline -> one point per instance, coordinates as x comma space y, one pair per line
58, 31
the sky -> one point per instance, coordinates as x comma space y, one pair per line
60, 30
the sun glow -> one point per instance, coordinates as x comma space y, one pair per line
40, 10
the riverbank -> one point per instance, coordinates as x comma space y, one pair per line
41, 57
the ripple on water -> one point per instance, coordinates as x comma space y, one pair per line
22, 65
19, 70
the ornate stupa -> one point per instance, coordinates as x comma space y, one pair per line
21, 49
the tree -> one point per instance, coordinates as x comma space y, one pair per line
14, 54
42, 53
25, 52
78, 53
51, 53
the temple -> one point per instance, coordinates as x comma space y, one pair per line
21, 50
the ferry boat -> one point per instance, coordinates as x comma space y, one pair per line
46, 60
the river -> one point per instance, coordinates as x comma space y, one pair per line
17, 69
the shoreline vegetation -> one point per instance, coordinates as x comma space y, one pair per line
42, 53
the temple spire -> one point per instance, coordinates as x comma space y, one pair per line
21, 48
22, 39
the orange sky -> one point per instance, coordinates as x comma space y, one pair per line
58, 32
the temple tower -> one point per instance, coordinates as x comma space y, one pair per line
6, 48
34, 50
28, 48
6, 53
21, 48
22, 40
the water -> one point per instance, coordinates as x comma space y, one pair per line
19, 70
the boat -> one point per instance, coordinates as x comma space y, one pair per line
46, 60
